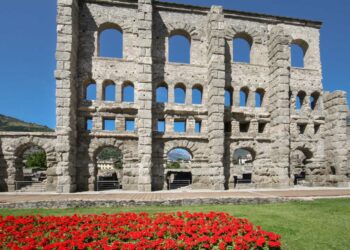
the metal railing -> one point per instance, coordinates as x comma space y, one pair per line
179, 184
19, 185
107, 185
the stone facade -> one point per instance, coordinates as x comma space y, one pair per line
276, 134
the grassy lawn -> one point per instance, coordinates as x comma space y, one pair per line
321, 224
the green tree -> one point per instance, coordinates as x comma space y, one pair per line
36, 160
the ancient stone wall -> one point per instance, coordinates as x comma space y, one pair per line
284, 140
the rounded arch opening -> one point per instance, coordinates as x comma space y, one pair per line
178, 168
90, 90
179, 47
298, 49
180, 93
110, 41
242, 44
109, 90
300, 100
162, 93
197, 94
31, 168
300, 159
128, 92
243, 97
109, 168
314, 99
228, 97
243, 166
259, 97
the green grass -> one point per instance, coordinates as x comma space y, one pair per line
320, 224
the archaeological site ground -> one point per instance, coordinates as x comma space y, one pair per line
141, 120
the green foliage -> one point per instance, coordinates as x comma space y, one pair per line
36, 160
173, 165
110, 153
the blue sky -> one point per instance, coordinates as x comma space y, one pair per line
28, 40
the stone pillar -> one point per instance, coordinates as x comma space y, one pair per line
278, 48
144, 74
216, 89
336, 151
66, 94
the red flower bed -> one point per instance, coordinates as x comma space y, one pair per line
134, 231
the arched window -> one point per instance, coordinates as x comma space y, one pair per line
242, 44
109, 91
243, 156
111, 42
162, 93
228, 97
179, 156
300, 100
259, 98
243, 97
90, 91
180, 93
314, 100
128, 92
197, 94
180, 48
298, 50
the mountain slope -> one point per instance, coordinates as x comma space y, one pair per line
12, 124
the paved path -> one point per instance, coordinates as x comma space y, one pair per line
111, 198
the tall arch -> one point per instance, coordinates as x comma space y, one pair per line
197, 94
228, 97
243, 97
109, 90
242, 43
180, 93
299, 50
259, 97
179, 47
162, 93
314, 100
90, 90
128, 92
110, 41
300, 99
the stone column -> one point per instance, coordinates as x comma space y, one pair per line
278, 48
144, 74
66, 95
336, 151
216, 89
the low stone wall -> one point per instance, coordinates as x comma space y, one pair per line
124, 203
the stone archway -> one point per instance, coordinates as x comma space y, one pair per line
178, 168
301, 160
30, 168
108, 163
242, 167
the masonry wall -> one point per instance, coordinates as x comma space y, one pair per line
275, 134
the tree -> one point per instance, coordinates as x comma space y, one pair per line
36, 160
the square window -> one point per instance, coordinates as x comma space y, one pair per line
130, 125
161, 126
180, 126
261, 127
88, 124
228, 127
244, 127
198, 127
301, 128
108, 124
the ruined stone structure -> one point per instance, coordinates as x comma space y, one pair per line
282, 140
